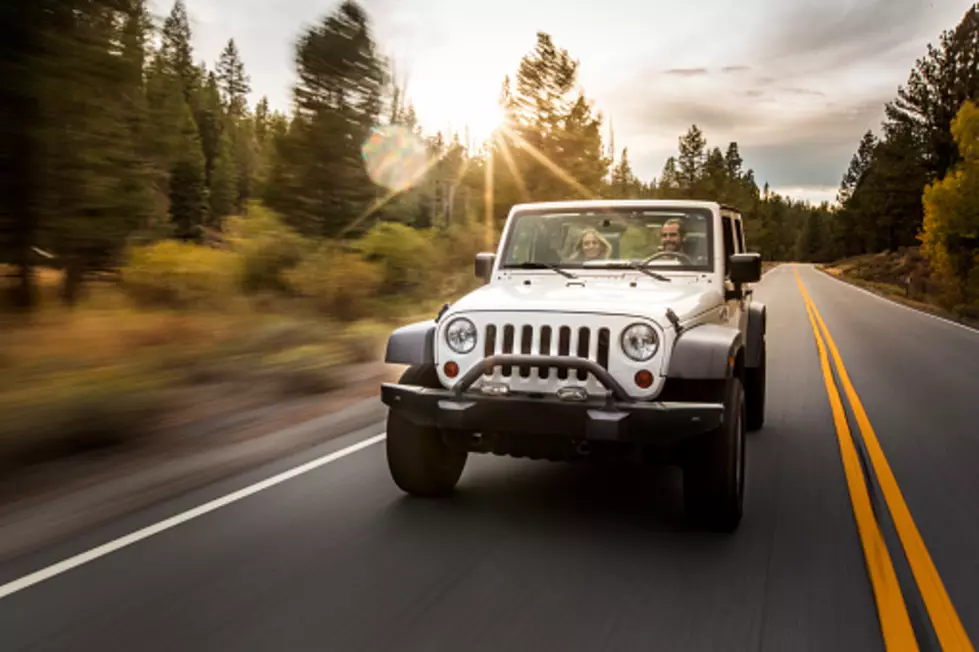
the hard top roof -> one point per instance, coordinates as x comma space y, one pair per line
623, 203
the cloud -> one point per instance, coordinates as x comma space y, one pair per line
791, 134
833, 34
688, 72
802, 91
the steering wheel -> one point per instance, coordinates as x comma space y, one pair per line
671, 254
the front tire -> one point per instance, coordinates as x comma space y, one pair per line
713, 475
420, 462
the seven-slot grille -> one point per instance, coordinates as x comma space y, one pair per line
581, 342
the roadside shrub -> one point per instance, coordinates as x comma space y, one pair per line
266, 246
175, 274
337, 282
458, 245
407, 256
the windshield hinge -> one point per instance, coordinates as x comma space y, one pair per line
674, 320
442, 311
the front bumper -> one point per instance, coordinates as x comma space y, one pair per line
640, 422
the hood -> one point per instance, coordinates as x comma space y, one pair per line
687, 296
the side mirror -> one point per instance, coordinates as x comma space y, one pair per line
484, 265
745, 268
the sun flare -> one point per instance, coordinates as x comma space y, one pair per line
462, 112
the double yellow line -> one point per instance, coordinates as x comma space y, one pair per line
891, 608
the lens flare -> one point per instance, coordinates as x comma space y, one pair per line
395, 157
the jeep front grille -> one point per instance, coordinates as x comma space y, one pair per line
526, 339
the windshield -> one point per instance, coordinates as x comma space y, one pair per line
677, 239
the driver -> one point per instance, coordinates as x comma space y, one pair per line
671, 236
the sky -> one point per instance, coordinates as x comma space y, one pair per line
796, 83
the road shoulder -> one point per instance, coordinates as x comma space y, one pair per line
918, 306
48, 504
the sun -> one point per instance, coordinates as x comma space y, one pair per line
457, 111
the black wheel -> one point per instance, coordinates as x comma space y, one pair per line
713, 475
754, 391
420, 462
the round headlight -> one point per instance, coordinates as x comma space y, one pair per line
460, 335
639, 342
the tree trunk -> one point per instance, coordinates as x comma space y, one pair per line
71, 281
18, 170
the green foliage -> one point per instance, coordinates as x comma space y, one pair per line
127, 137
950, 237
319, 182
881, 194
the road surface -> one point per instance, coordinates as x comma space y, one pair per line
538, 556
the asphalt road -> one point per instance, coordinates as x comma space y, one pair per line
538, 556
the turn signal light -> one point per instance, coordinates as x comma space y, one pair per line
451, 369
644, 379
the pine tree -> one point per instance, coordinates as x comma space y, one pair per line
262, 117
733, 162
714, 181
235, 84
177, 53
940, 82
319, 181
553, 136
223, 191
669, 181
691, 159
210, 123
188, 186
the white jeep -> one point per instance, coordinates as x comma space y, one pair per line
605, 328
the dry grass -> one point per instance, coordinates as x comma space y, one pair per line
107, 373
110, 372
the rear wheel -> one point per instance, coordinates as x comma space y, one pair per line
755, 393
420, 462
713, 474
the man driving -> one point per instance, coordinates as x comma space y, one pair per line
671, 236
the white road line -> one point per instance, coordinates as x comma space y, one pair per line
897, 303
173, 521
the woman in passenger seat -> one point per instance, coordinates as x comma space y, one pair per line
591, 246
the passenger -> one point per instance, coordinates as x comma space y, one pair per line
591, 246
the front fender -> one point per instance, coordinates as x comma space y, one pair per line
757, 323
705, 352
413, 344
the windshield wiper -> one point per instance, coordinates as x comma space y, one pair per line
538, 265
631, 264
